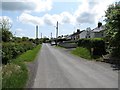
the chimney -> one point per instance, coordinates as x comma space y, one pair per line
78, 30
99, 24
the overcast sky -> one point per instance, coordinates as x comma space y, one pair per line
71, 14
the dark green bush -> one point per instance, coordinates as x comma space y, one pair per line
116, 52
97, 44
12, 50
85, 43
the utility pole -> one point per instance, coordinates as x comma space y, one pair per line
57, 30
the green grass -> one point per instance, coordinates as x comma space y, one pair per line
15, 74
29, 55
82, 52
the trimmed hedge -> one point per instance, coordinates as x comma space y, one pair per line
95, 45
12, 50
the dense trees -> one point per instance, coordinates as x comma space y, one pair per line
113, 28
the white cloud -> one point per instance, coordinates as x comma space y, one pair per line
19, 30
67, 18
43, 5
86, 17
89, 11
27, 5
48, 19
18, 6
62, 18
22, 34
29, 19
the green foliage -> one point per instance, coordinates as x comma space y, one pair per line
15, 74
97, 44
29, 55
82, 52
45, 40
85, 43
25, 38
12, 50
113, 27
5, 26
6, 35
16, 39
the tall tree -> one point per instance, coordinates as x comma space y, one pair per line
5, 26
113, 27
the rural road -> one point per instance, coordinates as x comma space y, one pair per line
59, 69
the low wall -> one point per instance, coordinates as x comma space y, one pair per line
68, 45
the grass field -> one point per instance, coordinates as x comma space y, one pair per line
15, 74
82, 52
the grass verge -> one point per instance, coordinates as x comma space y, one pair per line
82, 52
15, 74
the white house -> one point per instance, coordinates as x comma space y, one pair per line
85, 33
98, 32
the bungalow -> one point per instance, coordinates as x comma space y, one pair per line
85, 33
76, 35
98, 32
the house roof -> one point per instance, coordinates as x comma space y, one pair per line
76, 33
98, 29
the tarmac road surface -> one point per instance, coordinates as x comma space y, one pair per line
59, 69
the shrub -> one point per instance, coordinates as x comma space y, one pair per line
116, 52
12, 50
97, 44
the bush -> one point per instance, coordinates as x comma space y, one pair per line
97, 44
12, 50
116, 52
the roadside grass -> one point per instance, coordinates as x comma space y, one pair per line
82, 52
15, 74
29, 55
